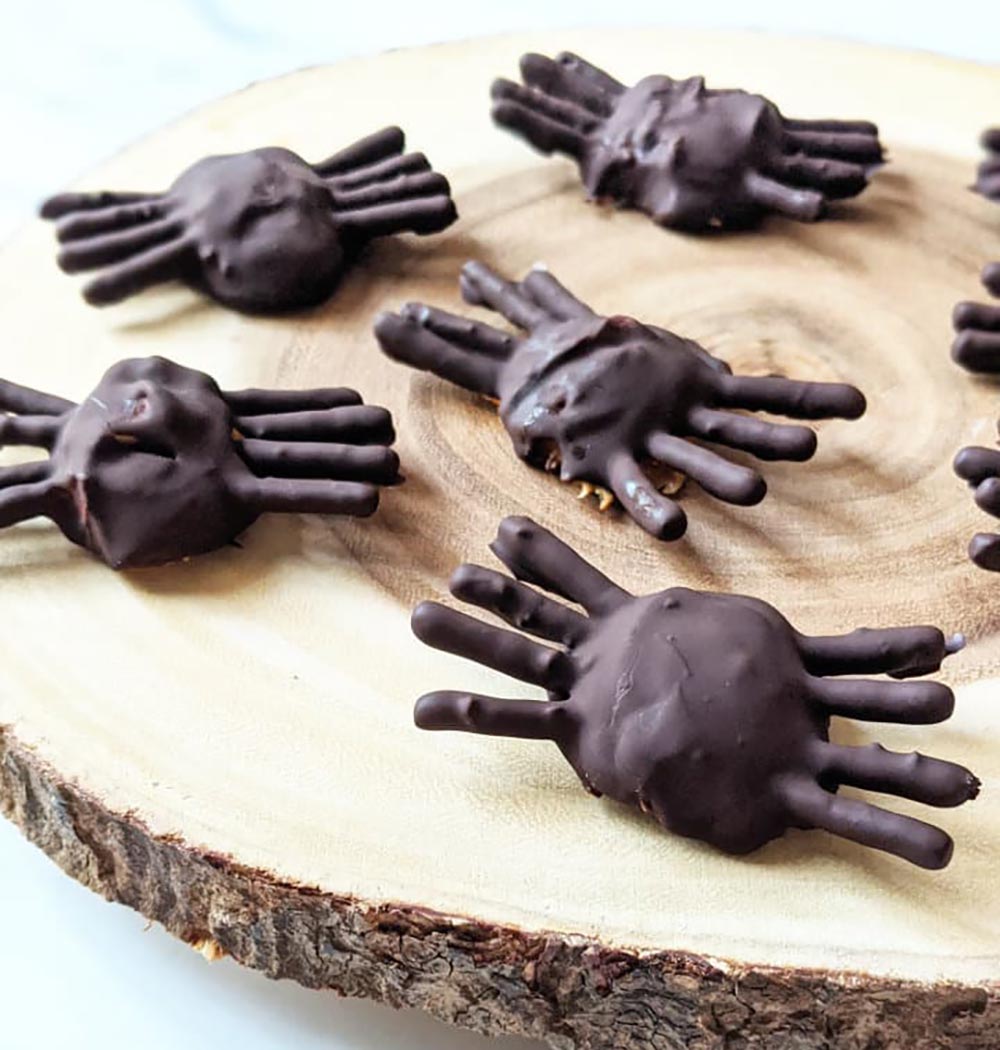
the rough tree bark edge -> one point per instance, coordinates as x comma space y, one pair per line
569, 991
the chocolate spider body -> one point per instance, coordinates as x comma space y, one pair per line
708, 711
602, 395
261, 232
686, 155
988, 175
976, 346
159, 464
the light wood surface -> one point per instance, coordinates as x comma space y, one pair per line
255, 705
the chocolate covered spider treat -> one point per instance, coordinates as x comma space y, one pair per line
262, 231
980, 467
708, 711
988, 175
686, 155
598, 397
159, 464
977, 325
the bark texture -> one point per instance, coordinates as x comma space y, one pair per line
569, 991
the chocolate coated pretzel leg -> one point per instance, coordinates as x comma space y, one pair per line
380, 145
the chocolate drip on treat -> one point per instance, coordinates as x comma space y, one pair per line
689, 156
158, 463
604, 395
262, 231
708, 711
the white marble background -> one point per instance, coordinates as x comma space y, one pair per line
78, 80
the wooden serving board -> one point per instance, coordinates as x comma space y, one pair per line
226, 745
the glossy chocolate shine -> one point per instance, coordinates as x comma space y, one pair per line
158, 464
687, 155
262, 231
603, 395
708, 711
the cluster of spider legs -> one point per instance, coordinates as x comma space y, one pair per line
977, 349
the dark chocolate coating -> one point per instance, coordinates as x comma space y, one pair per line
605, 394
709, 711
261, 232
976, 346
688, 156
988, 175
980, 467
977, 325
159, 464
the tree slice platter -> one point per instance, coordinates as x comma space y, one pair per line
226, 745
